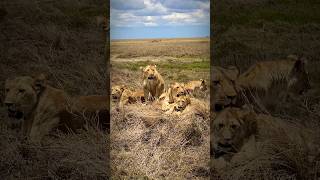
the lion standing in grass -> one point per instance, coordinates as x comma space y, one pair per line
153, 83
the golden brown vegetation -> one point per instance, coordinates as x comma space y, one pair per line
146, 142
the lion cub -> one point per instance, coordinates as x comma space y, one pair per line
126, 96
233, 131
175, 90
153, 83
194, 86
179, 105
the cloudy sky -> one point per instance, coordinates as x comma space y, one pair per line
132, 19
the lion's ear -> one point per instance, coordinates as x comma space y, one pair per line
141, 68
188, 100
155, 65
250, 118
39, 83
233, 72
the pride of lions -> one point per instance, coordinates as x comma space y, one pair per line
40, 108
238, 123
177, 99
234, 123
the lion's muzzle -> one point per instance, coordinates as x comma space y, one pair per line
13, 112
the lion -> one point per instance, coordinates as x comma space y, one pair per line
131, 97
124, 95
185, 106
233, 130
224, 88
194, 86
240, 134
179, 105
116, 92
175, 90
93, 107
262, 78
42, 108
153, 83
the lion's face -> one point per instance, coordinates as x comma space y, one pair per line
116, 92
203, 85
150, 72
21, 96
299, 82
231, 128
224, 90
178, 89
181, 103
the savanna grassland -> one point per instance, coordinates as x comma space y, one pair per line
145, 142
247, 31
62, 40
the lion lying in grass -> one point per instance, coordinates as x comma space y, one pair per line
125, 96
42, 108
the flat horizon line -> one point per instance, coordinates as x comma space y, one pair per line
160, 38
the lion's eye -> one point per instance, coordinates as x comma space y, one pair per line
216, 82
234, 126
21, 90
221, 126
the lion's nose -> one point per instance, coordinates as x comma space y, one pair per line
231, 97
8, 104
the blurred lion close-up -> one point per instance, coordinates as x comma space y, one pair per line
233, 131
223, 86
153, 83
42, 108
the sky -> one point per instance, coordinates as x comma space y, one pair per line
140, 19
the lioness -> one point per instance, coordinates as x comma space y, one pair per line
130, 97
116, 92
41, 108
224, 88
261, 75
175, 90
94, 107
232, 131
194, 86
179, 105
153, 83
125, 96
264, 77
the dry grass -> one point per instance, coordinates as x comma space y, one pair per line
61, 40
173, 48
146, 143
265, 30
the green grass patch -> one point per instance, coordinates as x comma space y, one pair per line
197, 66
